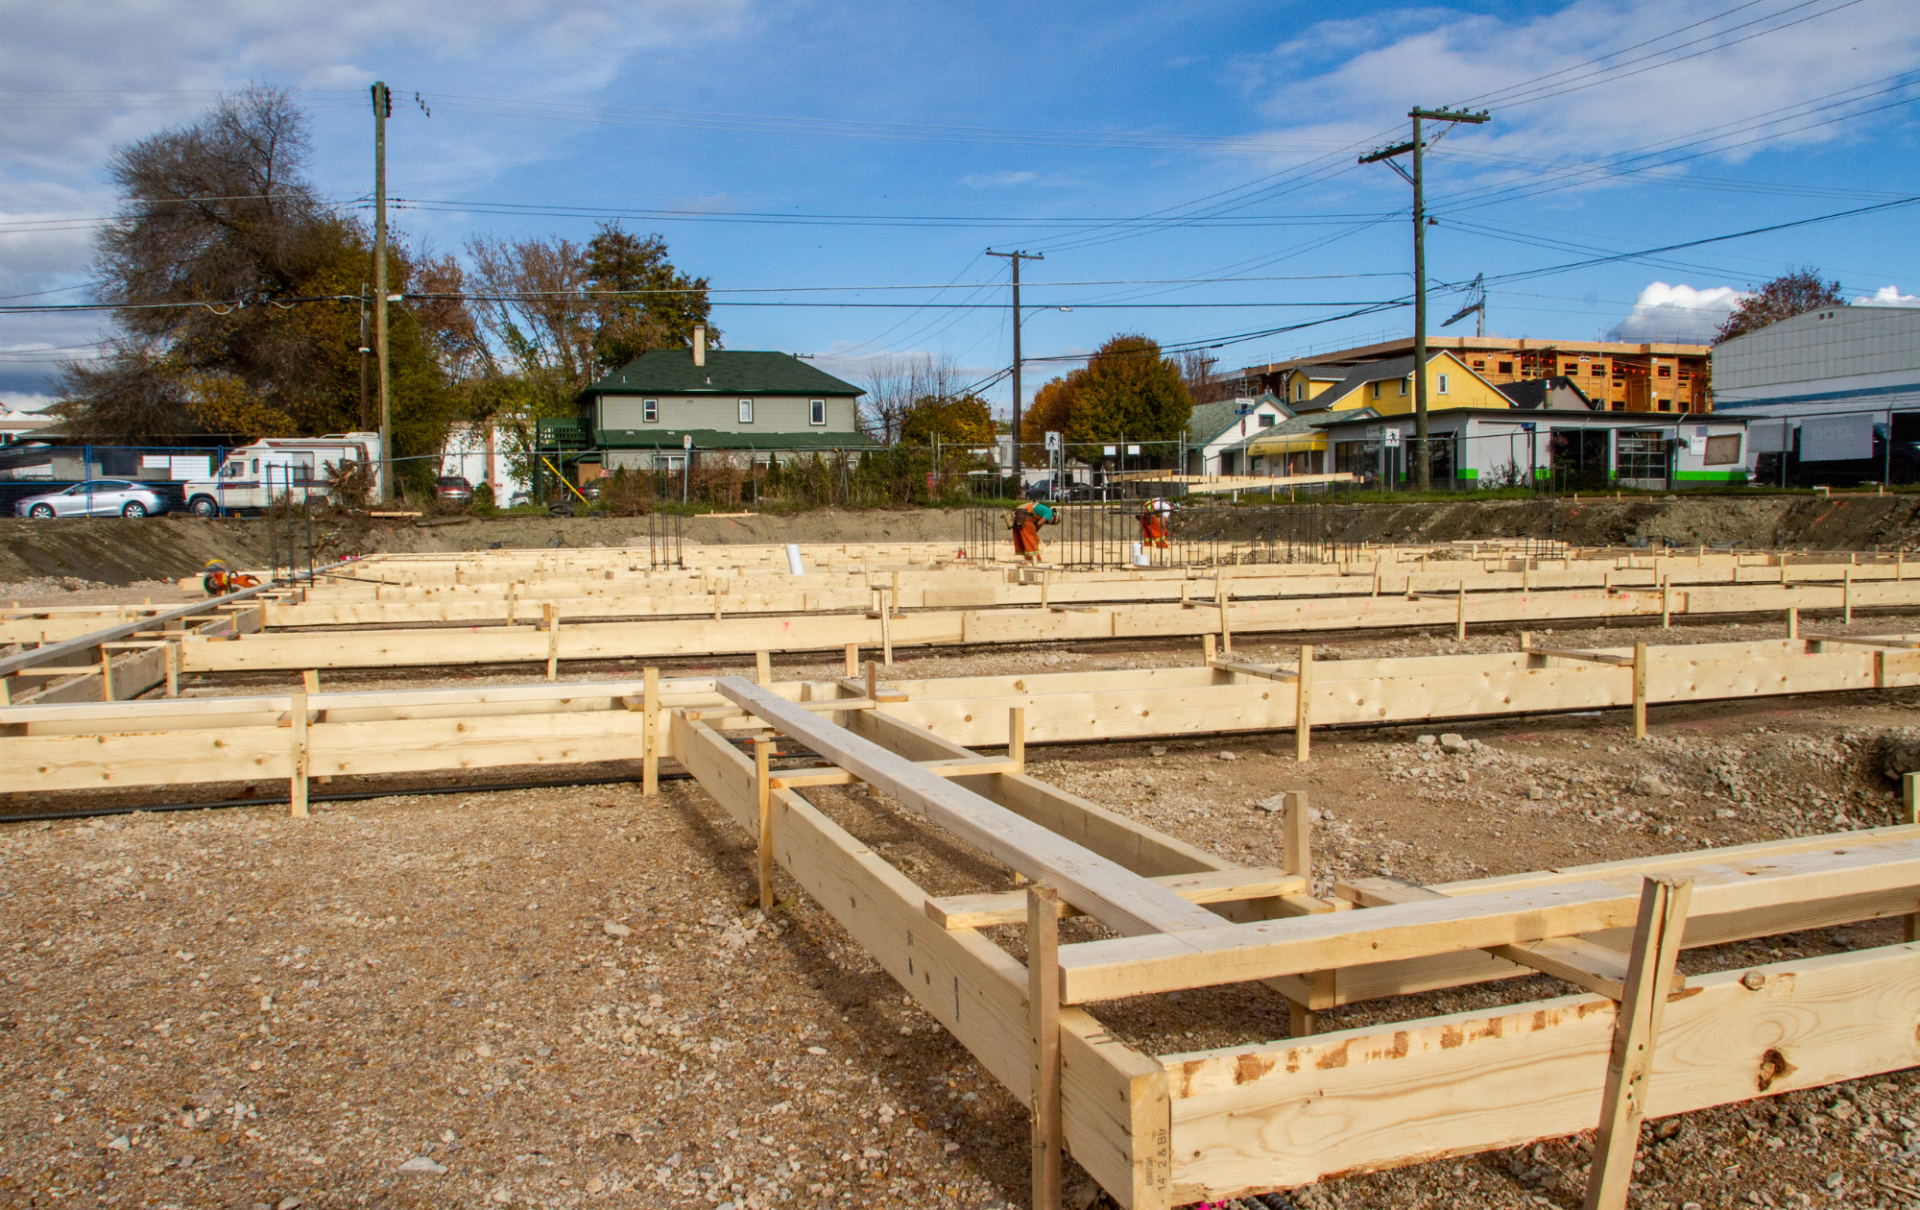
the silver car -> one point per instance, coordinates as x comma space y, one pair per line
101, 498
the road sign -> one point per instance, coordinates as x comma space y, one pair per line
1053, 442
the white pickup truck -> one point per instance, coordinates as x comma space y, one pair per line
255, 475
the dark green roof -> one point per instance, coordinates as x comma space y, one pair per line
672, 372
669, 440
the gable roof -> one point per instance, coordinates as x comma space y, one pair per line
1211, 420
1322, 373
1538, 393
1383, 371
727, 372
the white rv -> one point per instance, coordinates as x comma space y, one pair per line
254, 475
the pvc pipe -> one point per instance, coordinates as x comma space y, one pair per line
794, 565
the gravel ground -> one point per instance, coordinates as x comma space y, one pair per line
564, 997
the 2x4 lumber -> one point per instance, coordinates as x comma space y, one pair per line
1043, 1041
1213, 886
799, 779
1727, 897
1636, 1027
52, 653
1118, 1114
1279, 1115
1102, 889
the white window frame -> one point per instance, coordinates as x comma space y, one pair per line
649, 411
746, 411
816, 411
1443, 384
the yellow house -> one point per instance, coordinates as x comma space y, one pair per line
1387, 387
1301, 385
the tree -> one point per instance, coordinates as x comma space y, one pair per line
955, 419
1199, 371
895, 384
1051, 410
238, 296
657, 307
1782, 298
1129, 392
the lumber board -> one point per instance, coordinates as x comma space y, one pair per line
990, 908
1285, 1114
1102, 889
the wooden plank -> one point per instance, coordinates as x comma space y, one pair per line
1102, 889
1636, 1028
1117, 1114
1214, 886
1284, 1114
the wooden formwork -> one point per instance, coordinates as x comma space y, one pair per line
1163, 1129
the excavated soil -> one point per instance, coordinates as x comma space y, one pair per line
119, 551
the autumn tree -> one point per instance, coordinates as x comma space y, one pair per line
1782, 298
954, 419
237, 291
1051, 410
1128, 392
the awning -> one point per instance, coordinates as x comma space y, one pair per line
1287, 443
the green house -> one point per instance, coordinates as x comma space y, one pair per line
647, 413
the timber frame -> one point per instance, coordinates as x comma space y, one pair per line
1633, 1039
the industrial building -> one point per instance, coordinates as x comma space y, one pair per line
1828, 389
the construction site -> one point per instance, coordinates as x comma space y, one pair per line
1499, 872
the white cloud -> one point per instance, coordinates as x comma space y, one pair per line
1888, 296
1679, 313
1379, 66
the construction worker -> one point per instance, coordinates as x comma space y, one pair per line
1155, 518
1025, 522
218, 581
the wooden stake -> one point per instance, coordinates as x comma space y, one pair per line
297, 783
1208, 648
650, 747
1846, 594
1296, 846
1666, 602
1460, 614
173, 671
1043, 1030
310, 680
763, 788
873, 681
106, 674
1224, 593
1793, 621
1639, 691
763, 668
1526, 640
1636, 1029
853, 659
886, 630
1017, 736
552, 620
1910, 814
1303, 705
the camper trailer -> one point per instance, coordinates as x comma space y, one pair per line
254, 475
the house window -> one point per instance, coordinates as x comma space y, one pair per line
1666, 371
817, 411
1376, 390
649, 411
1403, 385
746, 411
1479, 363
1266, 420
1597, 368
1443, 384
1299, 392
1506, 367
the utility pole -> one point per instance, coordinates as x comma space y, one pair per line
382, 110
1422, 456
1015, 258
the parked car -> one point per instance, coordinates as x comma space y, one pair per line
101, 498
1043, 490
453, 489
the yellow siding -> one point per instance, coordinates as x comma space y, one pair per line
1465, 389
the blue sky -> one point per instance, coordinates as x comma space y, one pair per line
832, 145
